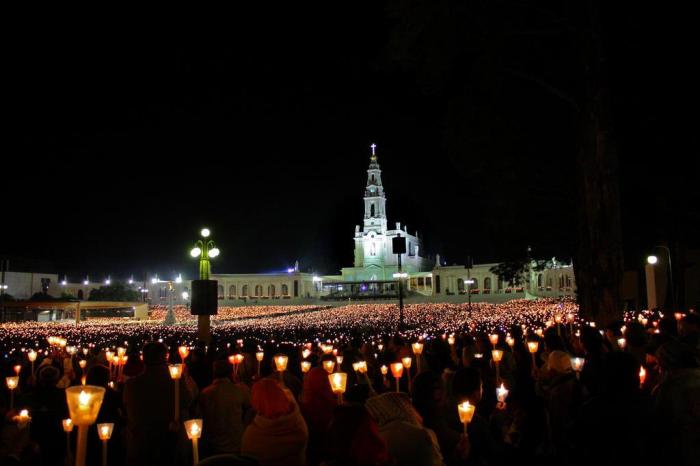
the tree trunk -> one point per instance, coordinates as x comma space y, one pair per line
599, 265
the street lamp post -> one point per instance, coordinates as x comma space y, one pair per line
206, 250
653, 260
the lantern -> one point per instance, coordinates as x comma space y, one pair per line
305, 366
493, 338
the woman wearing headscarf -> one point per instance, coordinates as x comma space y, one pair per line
278, 434
317, 405
401, 427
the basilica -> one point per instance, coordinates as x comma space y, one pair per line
374, 273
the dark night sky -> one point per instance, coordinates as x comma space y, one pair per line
129, 137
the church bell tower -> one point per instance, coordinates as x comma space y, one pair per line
375, 201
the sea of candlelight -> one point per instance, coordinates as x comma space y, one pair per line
292, 324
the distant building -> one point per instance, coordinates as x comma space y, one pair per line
372, 274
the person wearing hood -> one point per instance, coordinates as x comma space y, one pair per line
401, 427
278, 434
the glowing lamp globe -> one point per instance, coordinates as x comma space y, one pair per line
652, 260
338, 382
493, 338
193, 428
406, 362
259, 356
305, 353
214, 252
385, 370
84, 402
32, 356
205, 232
183, 351
195, 252
577, 364
105, 430
305, 366
339, 358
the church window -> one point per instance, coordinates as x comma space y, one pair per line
372, 178
568, 281
372, 249
285, 290
163, 292
487, 283
258, 290
271, 290
539, 280
474, 285
232, 291
244, 290
220, 292
460, 284
371, 211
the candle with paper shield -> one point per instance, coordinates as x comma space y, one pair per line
12, 383
338, 381
84, 402
501, 395
397, 372
328, 365
104, 431
259, 357
193, 429
176, 374
466, 413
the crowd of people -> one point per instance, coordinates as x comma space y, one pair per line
545, 388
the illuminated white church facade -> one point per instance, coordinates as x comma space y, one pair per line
373, 273
374, 259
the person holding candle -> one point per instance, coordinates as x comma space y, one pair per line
149, 403
614, 424
278, 434
317, 405
98, 375
223, 405
674, 412
479, 446
354, 440
47, 404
